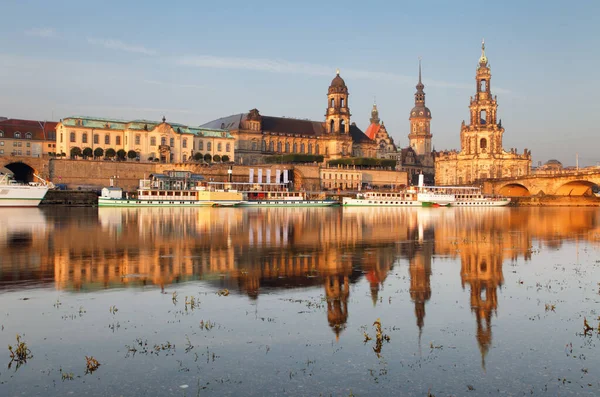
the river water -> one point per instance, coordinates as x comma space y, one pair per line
278, 301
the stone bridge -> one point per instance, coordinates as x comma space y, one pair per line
24, 167
583, 182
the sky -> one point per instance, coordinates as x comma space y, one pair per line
196, 61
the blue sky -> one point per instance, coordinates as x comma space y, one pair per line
195, 61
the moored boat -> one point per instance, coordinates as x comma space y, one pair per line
172, 189
273, 195
14, 194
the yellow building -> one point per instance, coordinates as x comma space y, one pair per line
28, 138
481, 155
142, 140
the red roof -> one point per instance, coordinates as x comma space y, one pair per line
40, 130
373, 130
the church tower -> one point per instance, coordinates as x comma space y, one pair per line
420, 121
337, 118
374, 115
483, 136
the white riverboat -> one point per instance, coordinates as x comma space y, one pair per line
14, 194
428, 196
172, 189
273, 195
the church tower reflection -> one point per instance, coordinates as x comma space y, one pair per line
337, 291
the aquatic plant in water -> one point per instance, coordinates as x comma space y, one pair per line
20, 353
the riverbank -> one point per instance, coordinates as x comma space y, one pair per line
556, 201
70, 198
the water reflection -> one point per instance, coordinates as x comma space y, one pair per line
253, 251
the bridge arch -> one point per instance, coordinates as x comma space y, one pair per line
577, 188
22, 172
514, 190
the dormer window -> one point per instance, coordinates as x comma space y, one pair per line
17, 135
1, 134
28, 135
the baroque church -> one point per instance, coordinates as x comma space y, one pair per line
258, 136
481, 155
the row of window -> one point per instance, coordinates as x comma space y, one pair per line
219, 146
17, 144
17, 152
340, 176
287, 147
17, 135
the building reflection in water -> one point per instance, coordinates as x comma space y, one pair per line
257, 250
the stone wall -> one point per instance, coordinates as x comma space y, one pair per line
92, 174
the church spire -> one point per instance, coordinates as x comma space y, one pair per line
483, 59
420, 94
374, 115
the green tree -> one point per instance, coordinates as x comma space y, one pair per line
131, 154
87, 152
216, 158
150, 158
121, 154
198, 156
207, 158
75, 152
225, 158
98, 152
110, 153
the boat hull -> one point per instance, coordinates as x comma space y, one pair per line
22, 196
289, 203
353, 202
110, 202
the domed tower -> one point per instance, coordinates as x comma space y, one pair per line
374, 115
420, 122
337, 118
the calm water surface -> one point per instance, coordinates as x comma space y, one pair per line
190, 302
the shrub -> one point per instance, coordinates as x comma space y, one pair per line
98, 152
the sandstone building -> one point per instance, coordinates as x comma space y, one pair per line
258, 136
150, 140
28, 138
481, 155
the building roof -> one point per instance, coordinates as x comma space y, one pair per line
40, 130
358, 136
372, 130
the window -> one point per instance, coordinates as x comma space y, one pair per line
228, 147
209, 146
1, 151
18, 135
172, 142
483, 143
219, 147
28, 135
342, 126
295, 148
137, 139
263, 146
72, 137
1, 143
184, 158
301, 148
271, 146
1, 134
107, 139
201, 145
317, 148
483, 117
279, 146
61, 137
96, 139
483, 85
118, 140
342, 101
331, 126
153, 141
28, 144
310, 148
163, 141
84, 138
29, 153
332, 103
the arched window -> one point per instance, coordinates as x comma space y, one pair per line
279, 146
254, 145
263, 146
483, 117
96, 139
18, 135
310, 147
271, 146
200, 145
483, 85
483, 143
219, 147
1, 134
72, 136
331, 126
287, 147
317, 148
163, 141
332, 103
184, 144
28, 135
302, 148
342, 126
295, 148
84, 138
209, 146
342, 102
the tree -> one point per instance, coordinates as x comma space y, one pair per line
87, 152
216, 158
98, 152
110, 153
150, 158
207, 158
225, 159
198, 156
131, 154
121, 154
75, 152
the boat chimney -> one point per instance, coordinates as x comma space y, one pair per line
421, 181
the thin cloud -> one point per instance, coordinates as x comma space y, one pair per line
41, 32
173, 85
119, 45
283, 66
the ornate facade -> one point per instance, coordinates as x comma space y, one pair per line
383, 145
150, 140
258, 136
481, 155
